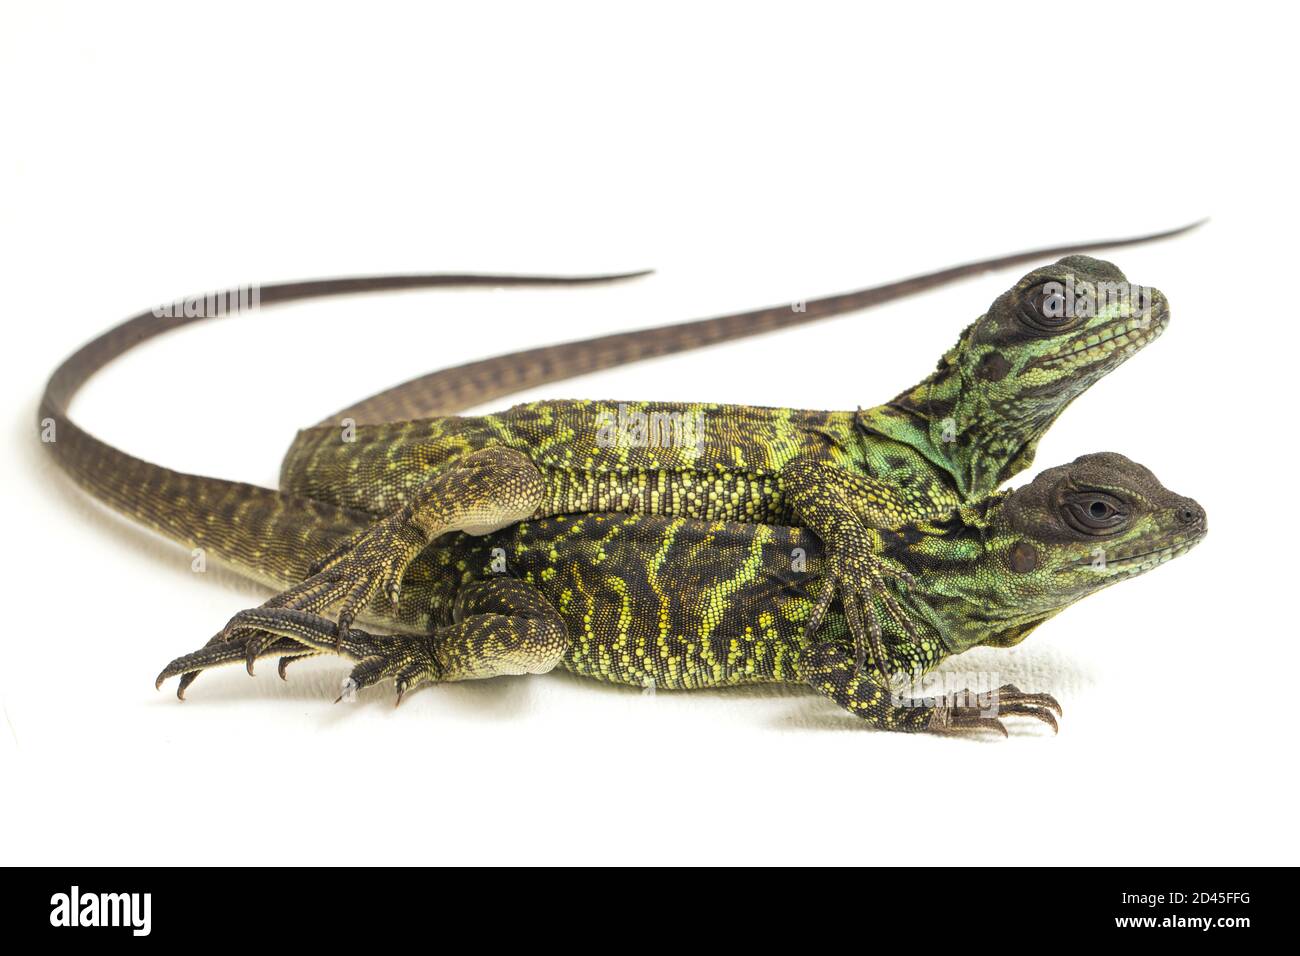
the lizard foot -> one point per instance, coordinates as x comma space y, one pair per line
859, 576
290, 634
370, 562
251, 644
219, 651
407, 659
500, 627
969, 713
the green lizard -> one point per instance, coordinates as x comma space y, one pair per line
679, 603
847, 476
274, 536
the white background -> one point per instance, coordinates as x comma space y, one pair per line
753, 154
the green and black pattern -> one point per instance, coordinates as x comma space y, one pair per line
680, 604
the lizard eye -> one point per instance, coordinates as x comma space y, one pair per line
1095, 513
1045, 309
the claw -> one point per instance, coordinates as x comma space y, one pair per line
1009, 701
216, 653
348, 691
1013, 695
971, 723
162, 679
1039, 713
1046, 701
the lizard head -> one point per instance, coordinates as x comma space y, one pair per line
1040, 345
1073, 530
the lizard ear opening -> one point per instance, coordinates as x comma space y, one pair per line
1023, 557
993, 367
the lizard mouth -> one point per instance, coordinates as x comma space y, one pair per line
1121, 338
1143, 561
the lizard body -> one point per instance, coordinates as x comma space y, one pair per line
684, 604
274, 536
953, 438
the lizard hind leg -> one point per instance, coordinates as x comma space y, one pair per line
482, 492
501, 626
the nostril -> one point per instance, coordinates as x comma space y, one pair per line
1190, 514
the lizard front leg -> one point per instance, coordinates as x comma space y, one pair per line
832, 671
482, 492
500, 627
847, 511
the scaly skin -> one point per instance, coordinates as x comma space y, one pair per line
684, 604
847, 476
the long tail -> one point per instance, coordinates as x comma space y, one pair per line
449, 391
264, 534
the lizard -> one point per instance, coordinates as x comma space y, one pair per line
679, 603
271, 536
959, 434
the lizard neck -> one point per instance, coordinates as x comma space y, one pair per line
948, 419
961, 560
